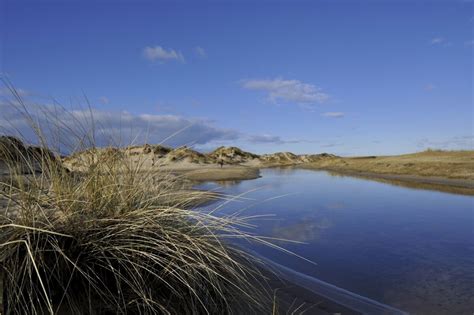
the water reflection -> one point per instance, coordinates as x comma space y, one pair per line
409, 183
283, 170
308, 229
409, 248
227, 183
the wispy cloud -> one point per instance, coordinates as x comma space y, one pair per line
334, 114
469, 42
287, 90
330, 145
271, 139
200, 52
440, 41
437, 41
161, 54
265, 139
112, 127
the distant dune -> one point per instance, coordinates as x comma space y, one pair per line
28, 159
445, 168
446, 164
450, 171
441, 170
184, 157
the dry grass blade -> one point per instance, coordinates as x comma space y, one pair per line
116, 239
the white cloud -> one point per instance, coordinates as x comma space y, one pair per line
440, 41
265, 139
269, 139
110, 127
161, 54
287, 90
334, 114
437, 41
66, 128
104, 100
201, 52
469, 42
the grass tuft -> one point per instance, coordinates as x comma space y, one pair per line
115, 239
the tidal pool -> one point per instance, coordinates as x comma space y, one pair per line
409, 248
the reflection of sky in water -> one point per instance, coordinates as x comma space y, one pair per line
308, 229
409, 248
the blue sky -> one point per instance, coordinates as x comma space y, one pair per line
346, 77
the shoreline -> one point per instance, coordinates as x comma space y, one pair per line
449, 171
203, 173
449, 185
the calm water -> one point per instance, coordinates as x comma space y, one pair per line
412, 249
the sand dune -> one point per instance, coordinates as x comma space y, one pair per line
445, 168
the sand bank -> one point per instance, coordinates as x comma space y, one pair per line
216, 173
450, 185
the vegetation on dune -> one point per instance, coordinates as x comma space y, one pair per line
112, 242
116, 240
156, 155
437, 163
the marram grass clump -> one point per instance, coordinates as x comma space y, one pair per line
115, 240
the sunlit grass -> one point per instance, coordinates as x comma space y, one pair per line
115, 239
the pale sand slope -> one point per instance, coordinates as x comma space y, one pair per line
183, 161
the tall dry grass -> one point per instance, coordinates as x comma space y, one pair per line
116, 239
